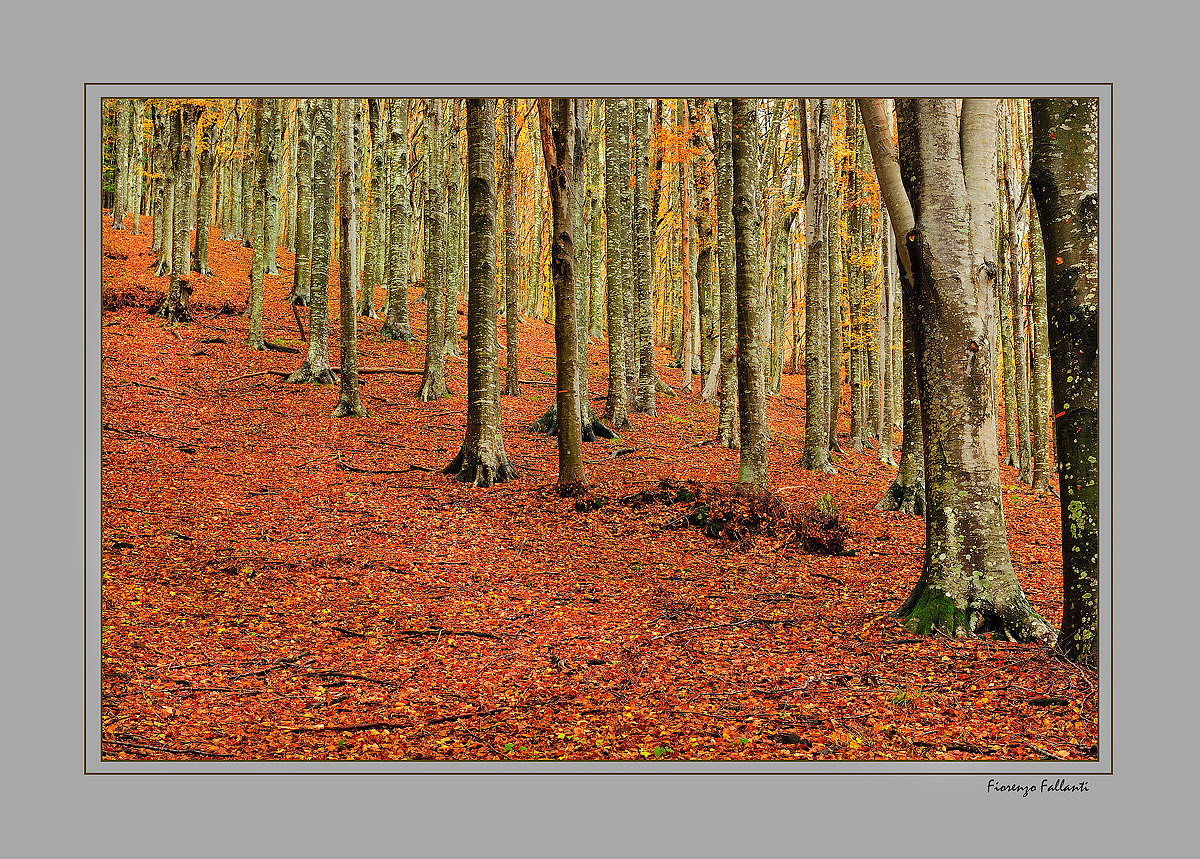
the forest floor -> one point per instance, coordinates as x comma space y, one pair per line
278, 584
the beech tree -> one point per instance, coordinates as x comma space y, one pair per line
560, 137
260, 227
433, 382
1065, 175
616, 202
208, 158
348, 404
183, 152
817, 310
396, 325
747, 219
941, 201
727, 429
315, 367
512, 319
481, 460
301, 292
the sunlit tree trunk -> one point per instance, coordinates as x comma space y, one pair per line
616, 201
1065, 179
273, 133
752, 467
817, 309
727, 430
348, 405
887, 377
315, 367
237, 166
685, 248
1014, 293
433, 383
832, 371
397, 326
512, 318
559, 139
942, 206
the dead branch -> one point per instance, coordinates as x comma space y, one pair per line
439, 631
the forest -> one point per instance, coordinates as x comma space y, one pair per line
605, 429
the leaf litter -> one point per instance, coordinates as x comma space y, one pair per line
278, 584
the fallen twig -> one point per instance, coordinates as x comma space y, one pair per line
166, 749
439, 631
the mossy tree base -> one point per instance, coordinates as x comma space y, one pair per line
930, 610
593, 428
907, 498
432, 390
480, 465
345, 409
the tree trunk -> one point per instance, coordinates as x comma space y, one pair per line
433, 383
967, 582
396, 326
270, 185
174, 308
1065, 178
315, 367
643, 262
452, 233
685, 248
348, 405
1039, 400
301, 293
259, 219
482, 461
748, 248
559, 139
727, 430
208, 158
512, 318
374, 266
616, 202
817, 309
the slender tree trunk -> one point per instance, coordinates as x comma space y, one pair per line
433, 383
208, 157
643, 261
136, 153
887, 377
120, 107
301, 293
512, 318
348, 405
174, 308
270, 184
396, 326
1039, 360
453, 230
374, 265
559, 139
748, 248
727, 429
315, 367
817, 309
1065, 179
685, 249
616, 200
260, 225
833, 371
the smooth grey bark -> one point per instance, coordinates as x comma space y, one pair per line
817, 308
616, 201
315, 367
348, 405
942, 205
643, 262
834, 308
887, 375
1007, 368
259, 218
397, 325
271, 182
481, 461
1065, 178
1014, 293
433, 383
120, 124
752, 467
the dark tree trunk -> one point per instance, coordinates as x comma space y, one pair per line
1065, 178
